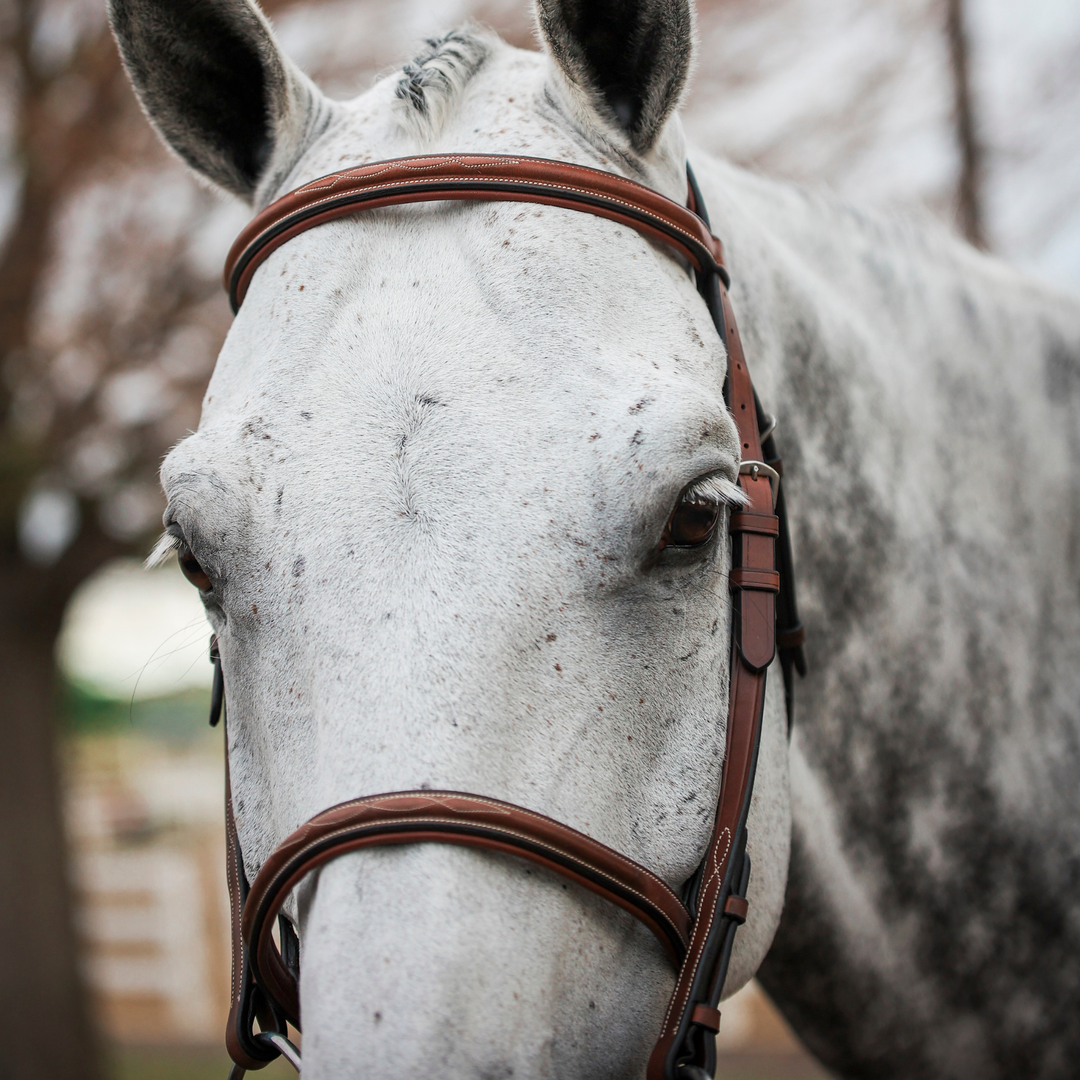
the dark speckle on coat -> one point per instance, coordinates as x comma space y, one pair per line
940, 719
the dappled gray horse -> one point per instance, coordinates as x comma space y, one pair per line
424, 507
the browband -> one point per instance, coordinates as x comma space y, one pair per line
487, 177
697, 930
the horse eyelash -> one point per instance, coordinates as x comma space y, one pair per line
719, 488
167, 543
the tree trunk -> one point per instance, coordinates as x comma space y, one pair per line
969, 209
48, 1034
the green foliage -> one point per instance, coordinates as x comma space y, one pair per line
176, 718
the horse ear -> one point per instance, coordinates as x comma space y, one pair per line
217, 88
629, 57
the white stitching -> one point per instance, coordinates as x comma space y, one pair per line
276, 883
502, 808
370, 170
233, 873
362, 171
506, 180
704, 937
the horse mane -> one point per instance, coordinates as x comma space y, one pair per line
433, 80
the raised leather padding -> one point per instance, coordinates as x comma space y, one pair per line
449, 817
486, 177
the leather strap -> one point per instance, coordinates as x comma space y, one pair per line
247, 1003
235, 1041
699, 937
234, 875
685, 1041
744, 522
708, 1018
742, 577
448, 817
486, 177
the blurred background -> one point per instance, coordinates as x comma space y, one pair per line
112, 896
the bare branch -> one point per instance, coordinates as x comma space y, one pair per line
970, 184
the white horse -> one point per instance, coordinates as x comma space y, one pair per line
437, 452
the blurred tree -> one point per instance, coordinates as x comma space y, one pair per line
969, 197
40, 990
76, 459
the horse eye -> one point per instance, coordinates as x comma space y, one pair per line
191, 569
693, 522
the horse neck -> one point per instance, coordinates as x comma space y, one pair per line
917, 382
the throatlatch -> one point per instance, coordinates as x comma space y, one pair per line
697, 928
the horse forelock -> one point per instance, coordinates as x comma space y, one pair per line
431, 83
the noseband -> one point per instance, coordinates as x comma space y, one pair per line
696, 928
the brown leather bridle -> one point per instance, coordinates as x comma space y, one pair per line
697, 929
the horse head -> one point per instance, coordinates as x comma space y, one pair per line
457, 510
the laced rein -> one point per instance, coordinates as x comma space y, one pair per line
697, 929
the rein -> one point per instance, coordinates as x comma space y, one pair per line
697, 929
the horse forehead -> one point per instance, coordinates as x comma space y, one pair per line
364, 416
521, 323
452, 422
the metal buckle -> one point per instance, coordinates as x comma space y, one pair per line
754, 469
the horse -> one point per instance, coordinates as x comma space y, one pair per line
423, 508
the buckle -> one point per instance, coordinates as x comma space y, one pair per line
754, 469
